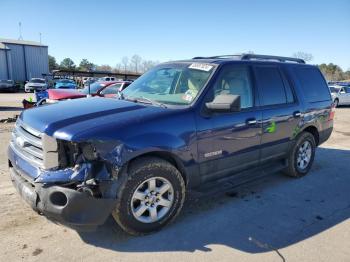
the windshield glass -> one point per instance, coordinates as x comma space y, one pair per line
39, 81
93, 88
177, 84
334, 89
65, 81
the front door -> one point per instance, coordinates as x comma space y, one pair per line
229, 142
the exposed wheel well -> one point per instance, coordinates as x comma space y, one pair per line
167, 157
313, 131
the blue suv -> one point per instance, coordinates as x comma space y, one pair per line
180, 126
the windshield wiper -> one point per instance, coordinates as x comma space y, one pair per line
142, 99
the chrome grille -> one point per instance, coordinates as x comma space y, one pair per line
37, 148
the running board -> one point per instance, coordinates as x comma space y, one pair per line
228, 183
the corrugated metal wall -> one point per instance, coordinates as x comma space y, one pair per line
17, 59
3, 65
37, 60
28, 61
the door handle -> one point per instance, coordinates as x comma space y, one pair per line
251, 122
297, 114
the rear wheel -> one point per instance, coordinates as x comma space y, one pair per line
150, 197
301, 156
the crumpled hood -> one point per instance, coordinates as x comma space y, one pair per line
69, 119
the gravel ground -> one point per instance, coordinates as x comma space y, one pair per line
276, 219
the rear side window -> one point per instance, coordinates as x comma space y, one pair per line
271, 86
312, 83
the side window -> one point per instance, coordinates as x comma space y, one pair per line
235, 80
112, 89
312, 84
271, 85
289, 93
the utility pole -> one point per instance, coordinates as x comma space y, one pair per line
20, 31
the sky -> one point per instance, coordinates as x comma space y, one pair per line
105, 31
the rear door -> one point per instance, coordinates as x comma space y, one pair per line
280, 111
229, 142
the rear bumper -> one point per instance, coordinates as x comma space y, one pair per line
325, 134
63, 205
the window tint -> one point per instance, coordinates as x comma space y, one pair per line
271, 86
289, 92
235, 80
312, 83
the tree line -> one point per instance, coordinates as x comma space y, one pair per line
330, 71
134, 64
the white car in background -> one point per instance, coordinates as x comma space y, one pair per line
35, 84
340, 95
108, 79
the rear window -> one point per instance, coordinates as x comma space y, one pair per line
312, 83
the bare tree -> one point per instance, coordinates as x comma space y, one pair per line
106, 68
125, 62
148, 64
118, 68
307, 57
135, 61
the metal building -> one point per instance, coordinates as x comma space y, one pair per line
22, 60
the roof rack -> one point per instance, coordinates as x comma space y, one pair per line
255, 57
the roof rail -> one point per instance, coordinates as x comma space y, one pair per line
255, 57
271, 57
217, 57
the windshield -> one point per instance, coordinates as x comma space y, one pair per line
334, 89
6, 81
93, 88
65, 81
39, 81
177, 84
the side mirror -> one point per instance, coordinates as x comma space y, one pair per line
225, 103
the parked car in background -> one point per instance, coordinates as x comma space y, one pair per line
107, 79
103, 89
340, 95
35, 84
65, 84
180, 126
89, 82
8, 86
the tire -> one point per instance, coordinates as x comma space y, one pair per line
295, 159
336, 103
138, 179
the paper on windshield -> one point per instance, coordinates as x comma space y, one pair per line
201, 66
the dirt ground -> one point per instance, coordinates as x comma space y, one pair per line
277, 219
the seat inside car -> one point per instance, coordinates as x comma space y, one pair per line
238, 86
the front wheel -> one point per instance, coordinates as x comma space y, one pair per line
336, 103
150, 197
302, 155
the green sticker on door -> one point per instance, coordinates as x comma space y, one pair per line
271, 128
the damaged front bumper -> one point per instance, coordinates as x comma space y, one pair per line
78, 210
